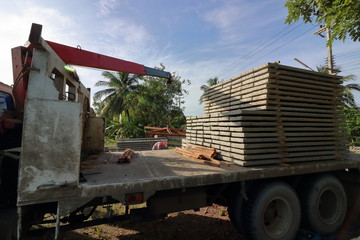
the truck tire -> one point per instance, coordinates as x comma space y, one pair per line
324, 204
235, 211
8, 223
271, 212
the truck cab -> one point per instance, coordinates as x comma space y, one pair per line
7, 127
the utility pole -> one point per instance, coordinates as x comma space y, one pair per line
329, 51
328, 46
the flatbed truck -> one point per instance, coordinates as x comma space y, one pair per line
53, 163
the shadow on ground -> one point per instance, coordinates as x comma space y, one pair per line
177, 226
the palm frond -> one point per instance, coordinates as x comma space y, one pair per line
103, 93
347, 95
204, 87
101, 84
116, 97
213, 81
353, 86
350, 77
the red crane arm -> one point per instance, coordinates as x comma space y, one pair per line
79, 57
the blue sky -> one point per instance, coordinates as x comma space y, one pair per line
197, 39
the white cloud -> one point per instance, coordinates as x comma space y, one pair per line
58, 26
225, 16
106, 6
122, 31
15, 28
237, 20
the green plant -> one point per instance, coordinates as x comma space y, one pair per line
342, 16
210, 82
128, 104
352, 125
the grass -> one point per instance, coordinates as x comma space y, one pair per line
109, 141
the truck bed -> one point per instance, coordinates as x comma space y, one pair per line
151, 171
147, 165
167, 164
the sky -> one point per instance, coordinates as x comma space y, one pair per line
196, 39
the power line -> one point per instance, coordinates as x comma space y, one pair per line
282, 45
349, 62
347, 69
350, 59
351, 65
348, 53
259, 48
348, 56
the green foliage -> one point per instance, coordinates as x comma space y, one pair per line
128, 105
210, 82
343, 16
178, 122
114, 99
352, 123
112, 129
156, 100
125, 129
109, 141
347, 96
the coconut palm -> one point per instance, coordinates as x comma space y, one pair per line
116, 97
210, 82
348, 98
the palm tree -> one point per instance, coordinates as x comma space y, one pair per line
347, 94
348, 98
116, 97
210, 82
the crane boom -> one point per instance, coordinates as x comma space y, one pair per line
84, 58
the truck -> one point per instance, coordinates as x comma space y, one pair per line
53, 162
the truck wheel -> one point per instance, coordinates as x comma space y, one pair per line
235, 211
8, 223
324, 204
271, 212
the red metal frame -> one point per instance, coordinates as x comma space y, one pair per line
22, 57
79, 57
166, 131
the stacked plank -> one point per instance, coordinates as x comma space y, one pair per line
272, 114
138, 144
126, 157
199, 153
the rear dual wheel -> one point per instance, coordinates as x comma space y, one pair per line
272, 211
324, 204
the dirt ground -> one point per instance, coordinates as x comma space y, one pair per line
207, 223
